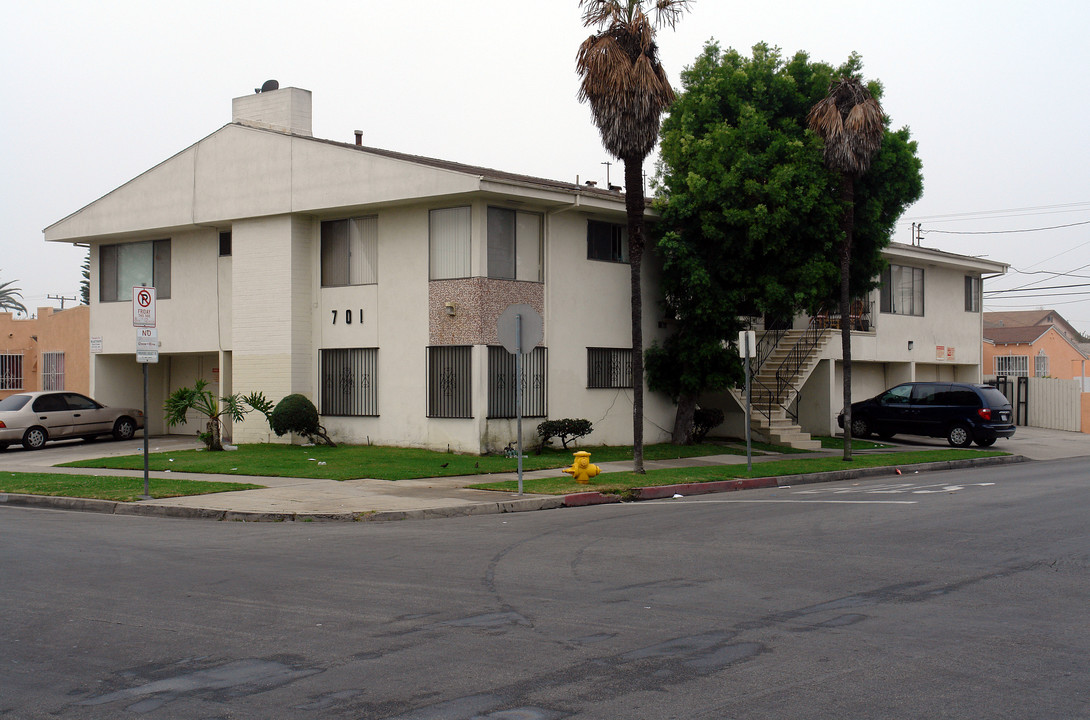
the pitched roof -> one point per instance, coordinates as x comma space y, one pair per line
1024, 335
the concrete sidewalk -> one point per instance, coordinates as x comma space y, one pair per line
369, 499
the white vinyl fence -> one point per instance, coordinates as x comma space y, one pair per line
1055, 404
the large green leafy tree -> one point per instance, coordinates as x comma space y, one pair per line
751, 216
10, 297
627, 89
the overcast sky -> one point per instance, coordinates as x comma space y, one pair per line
93, 94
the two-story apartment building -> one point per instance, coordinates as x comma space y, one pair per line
923, 323
370, 281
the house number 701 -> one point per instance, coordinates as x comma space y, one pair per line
348, 317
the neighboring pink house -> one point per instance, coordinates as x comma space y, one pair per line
1033, 351
49, 352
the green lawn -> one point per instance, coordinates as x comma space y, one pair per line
837, 443
348, 462
624, 481
124, 489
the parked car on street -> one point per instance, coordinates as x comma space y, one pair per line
34, 418
962, 413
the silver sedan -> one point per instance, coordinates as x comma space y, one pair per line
33, 418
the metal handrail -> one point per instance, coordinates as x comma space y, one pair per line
787, 370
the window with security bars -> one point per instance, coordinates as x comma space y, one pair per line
450, 381
52, 371
1011, 365
609, 367
350, 381
11, 371
1040, 365
502, 388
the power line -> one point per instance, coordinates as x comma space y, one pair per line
1003, 232
1035, 209
1047, 287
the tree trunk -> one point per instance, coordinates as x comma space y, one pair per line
634, 205
683, 420
847, 194
215, 443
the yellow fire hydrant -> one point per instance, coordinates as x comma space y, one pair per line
582, 470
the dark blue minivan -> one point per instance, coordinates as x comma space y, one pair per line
962, 413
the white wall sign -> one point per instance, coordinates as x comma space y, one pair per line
143, 306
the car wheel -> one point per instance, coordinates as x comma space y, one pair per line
986, 443
860, 427
34, 438
124, 429
959, 436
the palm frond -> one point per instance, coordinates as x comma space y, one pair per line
851, 124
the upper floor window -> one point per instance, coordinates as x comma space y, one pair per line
225, 243
514, 245
11, 372
350, 252
125, 266
902, 290
448, 243
972, 293
607, 241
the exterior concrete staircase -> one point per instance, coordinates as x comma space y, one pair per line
769, 419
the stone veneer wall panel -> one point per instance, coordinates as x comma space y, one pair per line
479, 303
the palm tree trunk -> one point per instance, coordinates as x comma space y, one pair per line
634, 206
847, 195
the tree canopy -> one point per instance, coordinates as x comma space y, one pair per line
750, 213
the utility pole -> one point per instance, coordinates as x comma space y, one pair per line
607, 164
62, 298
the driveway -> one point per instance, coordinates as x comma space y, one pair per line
1032, 442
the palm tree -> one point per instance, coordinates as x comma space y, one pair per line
627, 89
10, 297
851, 124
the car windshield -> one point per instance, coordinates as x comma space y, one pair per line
14, 402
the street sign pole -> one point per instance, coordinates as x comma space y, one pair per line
749, 409
147, 495
518, 390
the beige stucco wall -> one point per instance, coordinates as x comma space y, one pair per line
65, 331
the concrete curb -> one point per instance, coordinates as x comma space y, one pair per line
582, 499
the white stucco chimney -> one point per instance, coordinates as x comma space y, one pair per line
286, 110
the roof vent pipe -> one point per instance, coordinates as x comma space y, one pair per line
359, 138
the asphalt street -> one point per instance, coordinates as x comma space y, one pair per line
957, 594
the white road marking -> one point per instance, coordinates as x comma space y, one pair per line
808, 501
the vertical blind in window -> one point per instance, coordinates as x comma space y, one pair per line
450, 386
448, 240
52, 371
902, 290
350, 381
123, 267
972, 294
350, 252
502, 389
609, 367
